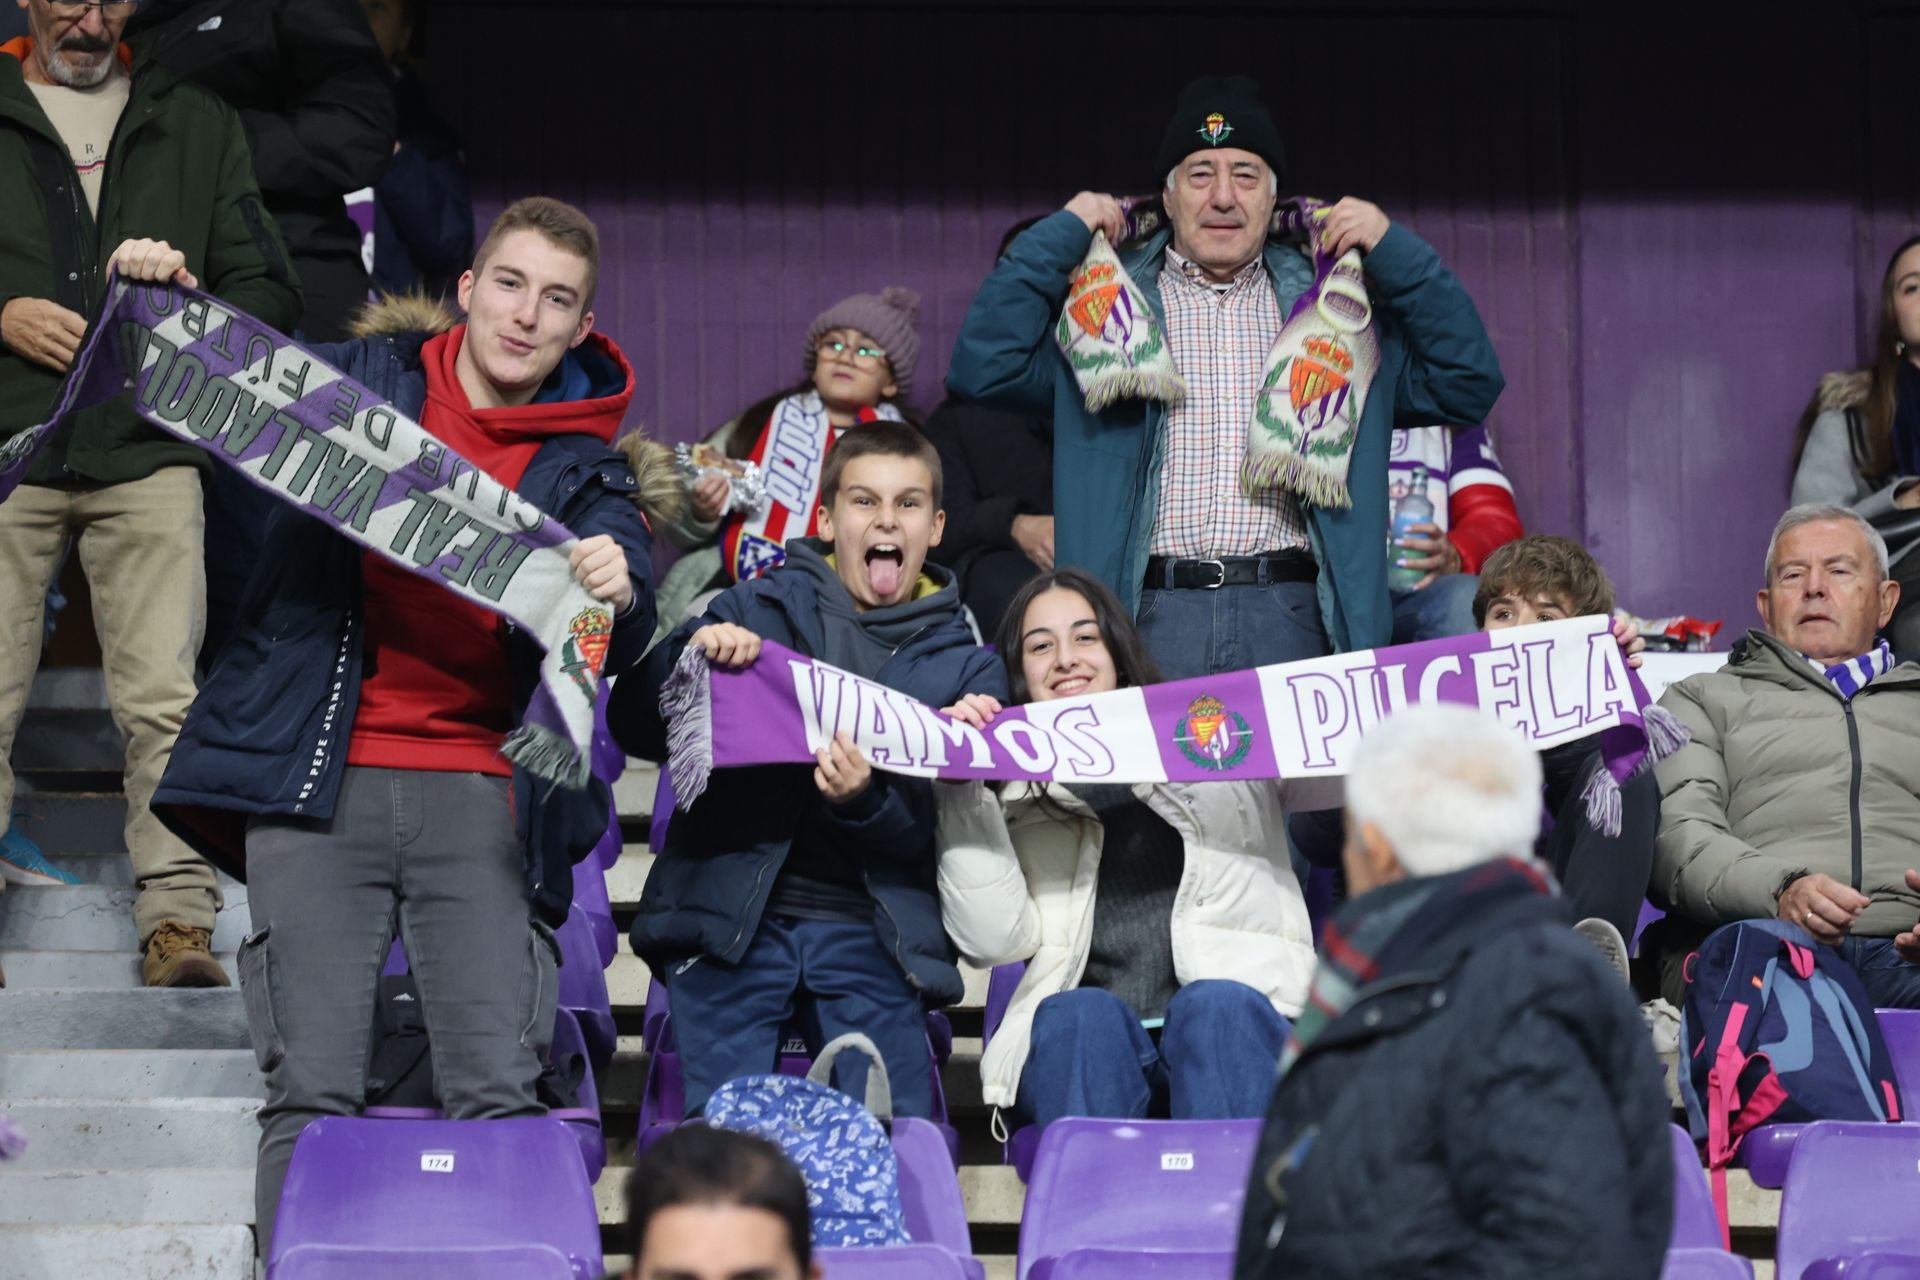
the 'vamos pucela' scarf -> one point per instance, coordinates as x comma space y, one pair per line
267, 407
1313, 387
1553, 681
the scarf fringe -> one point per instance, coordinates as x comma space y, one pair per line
548, 755
1313, 482
1603, 801
686, 704
1666, 733
1134, 384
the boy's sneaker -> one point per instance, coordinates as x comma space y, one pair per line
21, 862
180, 955
1611, 945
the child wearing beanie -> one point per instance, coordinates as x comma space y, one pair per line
859, 358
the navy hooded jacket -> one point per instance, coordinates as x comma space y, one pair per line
267, 733
708, 889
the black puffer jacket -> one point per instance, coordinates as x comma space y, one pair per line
1494, 1112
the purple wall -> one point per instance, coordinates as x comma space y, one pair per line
1668, 245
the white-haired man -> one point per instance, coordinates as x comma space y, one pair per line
1148, 496
1799, 795
1464, 1056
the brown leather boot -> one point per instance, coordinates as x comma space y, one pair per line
181, 956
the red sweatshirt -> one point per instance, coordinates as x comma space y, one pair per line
436, 693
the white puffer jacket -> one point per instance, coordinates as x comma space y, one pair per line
1017, 883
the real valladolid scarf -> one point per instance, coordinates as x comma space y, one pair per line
1313, 388
262, 404
1553, 682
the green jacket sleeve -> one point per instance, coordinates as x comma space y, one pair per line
1451, 374
247, 262
1005, 352
1700, 866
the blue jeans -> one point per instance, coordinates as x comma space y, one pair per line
1444, 607
1090, 1056
1195, 632
835, 975
1891, 982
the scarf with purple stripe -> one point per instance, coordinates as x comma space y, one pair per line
1313, 386
1385, 932
326, 445
1853, 675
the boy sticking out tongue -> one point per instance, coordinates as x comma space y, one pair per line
790, 891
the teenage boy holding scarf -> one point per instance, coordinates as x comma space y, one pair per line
785, 888
346, 745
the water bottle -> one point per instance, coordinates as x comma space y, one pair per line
1413, 508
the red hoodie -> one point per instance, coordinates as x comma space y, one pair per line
437, 693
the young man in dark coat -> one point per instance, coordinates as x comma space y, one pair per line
346, 747
1470, 1090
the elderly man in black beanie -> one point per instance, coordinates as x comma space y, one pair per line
1149, 495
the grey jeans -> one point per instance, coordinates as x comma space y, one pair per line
434, 857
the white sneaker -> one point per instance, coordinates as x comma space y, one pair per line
1608, 940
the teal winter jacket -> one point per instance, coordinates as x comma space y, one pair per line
1437, 365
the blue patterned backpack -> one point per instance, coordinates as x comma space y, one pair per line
840, 1147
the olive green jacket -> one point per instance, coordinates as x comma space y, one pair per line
1783, 776
177, 170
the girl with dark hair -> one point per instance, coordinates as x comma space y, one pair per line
860, 357
714, 1204
1859, 439
1166, 938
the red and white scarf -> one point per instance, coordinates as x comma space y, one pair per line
791, 453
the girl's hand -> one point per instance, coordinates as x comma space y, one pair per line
974, 708
1627, 636
726, 645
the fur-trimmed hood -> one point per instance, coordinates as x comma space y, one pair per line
1843, 389
662, 494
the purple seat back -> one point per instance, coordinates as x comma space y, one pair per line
663, 801
582, 1121
1851, 1189
1900, 1028
1866, 1266
606, 851
607, 761
590, 900
899, 1262
583, 987
1705, 1264
1649, 914
1001, 984
929, 1185
1146, 1185
349, 1262
405, 1194
1696, 1225
1124, 1264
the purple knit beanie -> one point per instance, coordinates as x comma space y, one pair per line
891, 318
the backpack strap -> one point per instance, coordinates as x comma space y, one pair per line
879, 1099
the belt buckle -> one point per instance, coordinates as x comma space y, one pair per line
1220, 567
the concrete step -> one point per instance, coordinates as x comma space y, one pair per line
64, 822
53, 1018
633, 790
67, 740
95, 918
116, 1197
132, 1073
153, 1133
80, 969
628, 876
130, 1253
68, 689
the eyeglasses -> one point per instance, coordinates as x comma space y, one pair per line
860, 355
107, 8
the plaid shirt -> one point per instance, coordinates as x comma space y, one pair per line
1219, 336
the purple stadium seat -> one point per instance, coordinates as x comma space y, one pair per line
1851, 1191
1001, 983
380, 1201
1901, 1030
1648, 915
1135, 1186
663, 801
1696, 1224
1124, 1264
607, 851
1866, 1266
583, 987
607, 761
1705, 1264
590, 899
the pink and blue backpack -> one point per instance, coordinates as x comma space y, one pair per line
1777, 1030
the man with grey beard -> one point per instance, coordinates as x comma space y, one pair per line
106, 160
